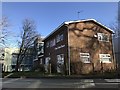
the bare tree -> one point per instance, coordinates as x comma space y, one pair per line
116, 41
28, 36
115, 25
3, 30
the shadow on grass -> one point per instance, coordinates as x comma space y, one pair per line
57, 75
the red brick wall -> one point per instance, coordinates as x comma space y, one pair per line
81, 36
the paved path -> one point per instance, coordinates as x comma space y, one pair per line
60, 83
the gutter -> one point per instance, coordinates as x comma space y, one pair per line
76, 21
54, 31
69, 73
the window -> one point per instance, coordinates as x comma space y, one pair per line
103, 37
14, 59
60, 58
60, 62
47, 60
85, 57
59, 38
41, 48
47, 44
105, 58
52, 43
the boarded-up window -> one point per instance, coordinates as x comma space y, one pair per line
105, 58
85, 57
103, 37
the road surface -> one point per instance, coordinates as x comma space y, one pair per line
59, 83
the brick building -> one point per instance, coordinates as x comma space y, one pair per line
79, 47
10, 58
38, 62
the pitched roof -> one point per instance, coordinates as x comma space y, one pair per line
90, 20
76, 21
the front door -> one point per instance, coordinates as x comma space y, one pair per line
60, 63
47, 59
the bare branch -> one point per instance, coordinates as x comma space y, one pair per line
28, 37
3, 30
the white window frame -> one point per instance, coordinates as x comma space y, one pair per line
105, 58
101, 37
85, 56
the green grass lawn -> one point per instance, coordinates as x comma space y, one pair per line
40, 74
5, 74
22, 74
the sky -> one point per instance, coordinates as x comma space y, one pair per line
49, 15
